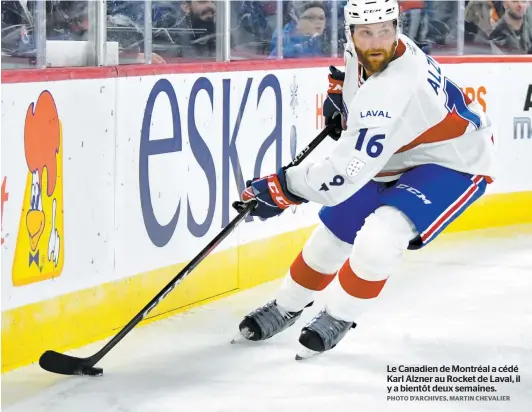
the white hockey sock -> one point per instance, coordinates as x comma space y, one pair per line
377, 251
313, 269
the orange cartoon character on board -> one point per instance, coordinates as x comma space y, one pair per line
39, 254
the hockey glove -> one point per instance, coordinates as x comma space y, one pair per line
333, 106
271, 194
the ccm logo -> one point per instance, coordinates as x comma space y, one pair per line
415, 192
371, 11
277, 195
273, 187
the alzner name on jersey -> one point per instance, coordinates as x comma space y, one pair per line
410, 114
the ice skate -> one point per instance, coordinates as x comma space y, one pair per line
266, 321
322, 334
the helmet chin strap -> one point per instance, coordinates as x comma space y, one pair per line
396, 44
349, 36
398, 32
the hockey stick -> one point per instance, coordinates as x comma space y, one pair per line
60, 363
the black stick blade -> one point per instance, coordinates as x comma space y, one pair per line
60, 363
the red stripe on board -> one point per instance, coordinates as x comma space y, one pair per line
453, 210
484, 59
78, 73
233, 66
56, 74
130, 70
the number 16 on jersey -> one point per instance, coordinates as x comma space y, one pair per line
374, 147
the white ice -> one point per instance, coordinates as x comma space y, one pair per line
462, 300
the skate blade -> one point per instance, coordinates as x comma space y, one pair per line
306, 353
245, 334
237, 338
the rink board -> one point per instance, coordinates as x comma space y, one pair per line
142, 165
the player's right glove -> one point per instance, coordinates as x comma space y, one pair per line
271, 193
333, 105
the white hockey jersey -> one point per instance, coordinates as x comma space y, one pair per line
407, 115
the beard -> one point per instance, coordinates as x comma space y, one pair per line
202, 26
370, 63
514, 15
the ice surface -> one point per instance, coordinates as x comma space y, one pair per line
462, 300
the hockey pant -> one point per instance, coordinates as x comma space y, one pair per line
361, 242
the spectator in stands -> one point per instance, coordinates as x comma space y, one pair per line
183, 29
197, 29
498, 10
443, 19
480, 17
481, 14
125, 25
340, 28
253, 23
303, 36
513, 32
17, 25
414, 20
67, 20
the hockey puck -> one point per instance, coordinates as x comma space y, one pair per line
90, 371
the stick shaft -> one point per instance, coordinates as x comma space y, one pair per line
198, 258
174, 282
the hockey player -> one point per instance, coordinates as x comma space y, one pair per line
412, 154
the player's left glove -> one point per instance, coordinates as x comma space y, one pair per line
271, 193
333, 110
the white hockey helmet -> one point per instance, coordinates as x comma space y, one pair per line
370, 11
